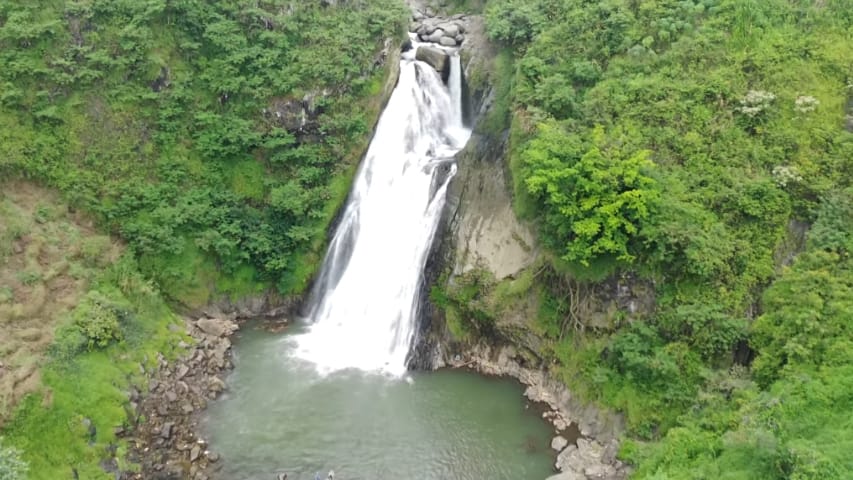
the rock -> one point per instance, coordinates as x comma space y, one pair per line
406, 46
447, 42
216, 385
182, 371
564, 456
587, 454
558, 443
216, 327
194, 453
212, 456
567, 476
436, 58
166, 430
187, 408
599, 472
610, 450
171, 396
435, 36
450, 29
460, 38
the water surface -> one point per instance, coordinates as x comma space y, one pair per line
280, 415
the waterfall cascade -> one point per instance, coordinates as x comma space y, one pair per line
363, 310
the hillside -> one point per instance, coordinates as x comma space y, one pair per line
687, 169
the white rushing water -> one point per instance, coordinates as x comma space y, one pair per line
364, 307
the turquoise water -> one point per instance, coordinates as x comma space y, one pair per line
280, 416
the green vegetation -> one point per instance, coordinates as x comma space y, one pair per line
215, 140
682, 144
206, 134
11, 465
121, 327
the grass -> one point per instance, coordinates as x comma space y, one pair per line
82, 388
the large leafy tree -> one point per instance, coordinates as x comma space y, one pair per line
595, 197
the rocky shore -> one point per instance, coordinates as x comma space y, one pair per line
586, 439
164, 439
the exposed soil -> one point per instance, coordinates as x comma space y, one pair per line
48, 255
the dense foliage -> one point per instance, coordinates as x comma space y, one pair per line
690, 144
208, 134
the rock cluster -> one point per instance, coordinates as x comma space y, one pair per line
164, 440
447, 32
593, 455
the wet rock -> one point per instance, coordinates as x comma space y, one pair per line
212, 456
558, 443
436, 58
216, 385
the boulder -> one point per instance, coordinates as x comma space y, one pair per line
435, 36
216, 385
600, 472
451, 29
216, 327
436, 58
447, 42
563, 459
567, 476
558, 443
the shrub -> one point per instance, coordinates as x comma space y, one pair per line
12, 467
97, 318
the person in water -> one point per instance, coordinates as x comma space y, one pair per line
331, 475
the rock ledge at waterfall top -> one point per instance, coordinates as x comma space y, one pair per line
444, 31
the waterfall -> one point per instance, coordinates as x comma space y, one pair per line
363, 310
455, 85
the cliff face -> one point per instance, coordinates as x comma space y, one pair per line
482, 238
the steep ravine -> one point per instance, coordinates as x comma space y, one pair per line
480, 232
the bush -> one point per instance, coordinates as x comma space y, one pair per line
12, 467
97, 318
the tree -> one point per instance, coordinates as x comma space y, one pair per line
595, 198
